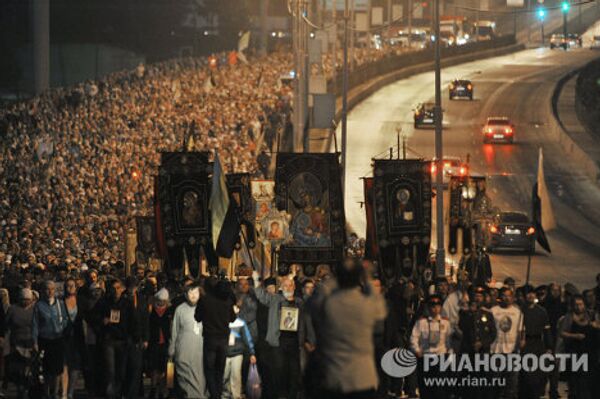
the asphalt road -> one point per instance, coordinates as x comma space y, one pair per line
518, 86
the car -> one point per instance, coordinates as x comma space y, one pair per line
498, 129
512, 230
574, 40
453, 166
558, 40
460, 88
424, 115
595, 45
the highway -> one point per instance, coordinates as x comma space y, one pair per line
519, 86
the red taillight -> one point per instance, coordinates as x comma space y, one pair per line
508, 130
493, 229
433, 169
462, 171
530, 231
489, 130
447, 164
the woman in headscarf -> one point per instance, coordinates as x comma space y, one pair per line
160, 334
185, 348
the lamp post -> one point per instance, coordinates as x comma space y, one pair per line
565, 10
440, 255
542, 15
345, 97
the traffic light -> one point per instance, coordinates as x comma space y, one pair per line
541, 14
565, 6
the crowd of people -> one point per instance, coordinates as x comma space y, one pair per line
77, 167
323, 336
77, 163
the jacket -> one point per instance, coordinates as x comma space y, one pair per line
49, 321
274, 302
215, 313
160, 324
239, 338
125, 328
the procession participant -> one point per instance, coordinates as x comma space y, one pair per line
510, 337
118, 322
344, 315
158, 343
285, 334
18, 322
240, 341
478, 332
186, 347
48, 325
215, 311
577, 331
74, 339
431, 335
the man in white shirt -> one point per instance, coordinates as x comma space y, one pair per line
510, 337
431, 335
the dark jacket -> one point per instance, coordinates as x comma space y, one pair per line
476, 326
141, 329
160, 323
74, 333
215, 311
126, 327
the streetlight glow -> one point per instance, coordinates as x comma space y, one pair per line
541, 13
565, 6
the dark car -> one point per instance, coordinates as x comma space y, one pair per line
498, 129
512, 230
424, 115
460, 88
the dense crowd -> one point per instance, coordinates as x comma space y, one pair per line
77, 164
309, 337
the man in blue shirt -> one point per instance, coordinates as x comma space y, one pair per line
49, 322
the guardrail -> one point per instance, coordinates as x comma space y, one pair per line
366, 72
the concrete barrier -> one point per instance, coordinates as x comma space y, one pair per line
574, 150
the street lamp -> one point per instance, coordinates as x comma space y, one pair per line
541, 16
565, 6
440, 256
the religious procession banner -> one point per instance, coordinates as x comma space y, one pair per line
308, 188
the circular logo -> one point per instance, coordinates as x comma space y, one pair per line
505, 324
399, 362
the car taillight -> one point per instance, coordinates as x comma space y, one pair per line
462, 171
493, 229
489, 130
508, 130
447, 164
433, 169
530, 230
